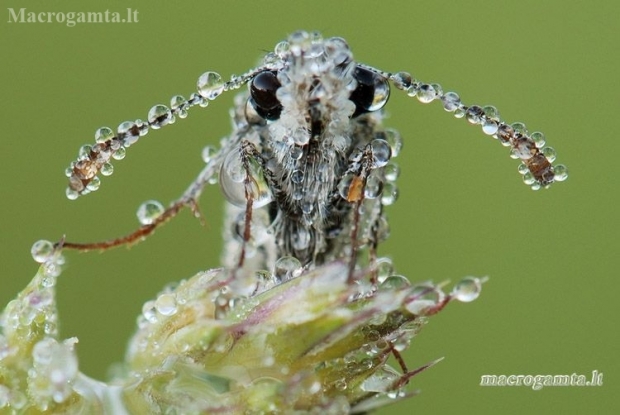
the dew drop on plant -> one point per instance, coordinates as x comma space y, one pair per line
538, 138
373, 187
233, 181
426, 93
391, 172
107, 169
381, 152
341, 384
166, 304
103, 134
474, 114
489, 127
297, 176
384, 268
210, 85
381, 381
119, 154
207, 153
345, 184
549, 153
149, 211
94, 184
84, 151
560, 173
178, 105
519, 128
149, 312
42, 251
389, 195
468, 289
395, 282
159, 115
128, 130
71, 194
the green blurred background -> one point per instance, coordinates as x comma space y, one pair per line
552, 256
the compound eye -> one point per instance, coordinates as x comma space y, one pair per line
372, 91
263, 95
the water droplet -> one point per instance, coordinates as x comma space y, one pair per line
84, 152
402, 80
159, 115
522, 148
207, 153
297, 152
373, 187
307, 207
381, 152
384, 268
107, 169
297, 176
538, 139
474, 114
128, 132
423, 296
426, 93
94, 184
103, 134
345, 184
166, 304
412, 91
341, 384
382, 380
389, 195
210, 85
489, 127
71, 194
391, 172
119, 154
395, 282
393, 138
381, 94
451, 101
560, 173
149, 312
528, 178
505, 133
149, 211
298, 193
102, 153
286, 267
549, 153
519, 128
233, 166
468, 289
282, 49
233, 180
42, 251
179, 105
